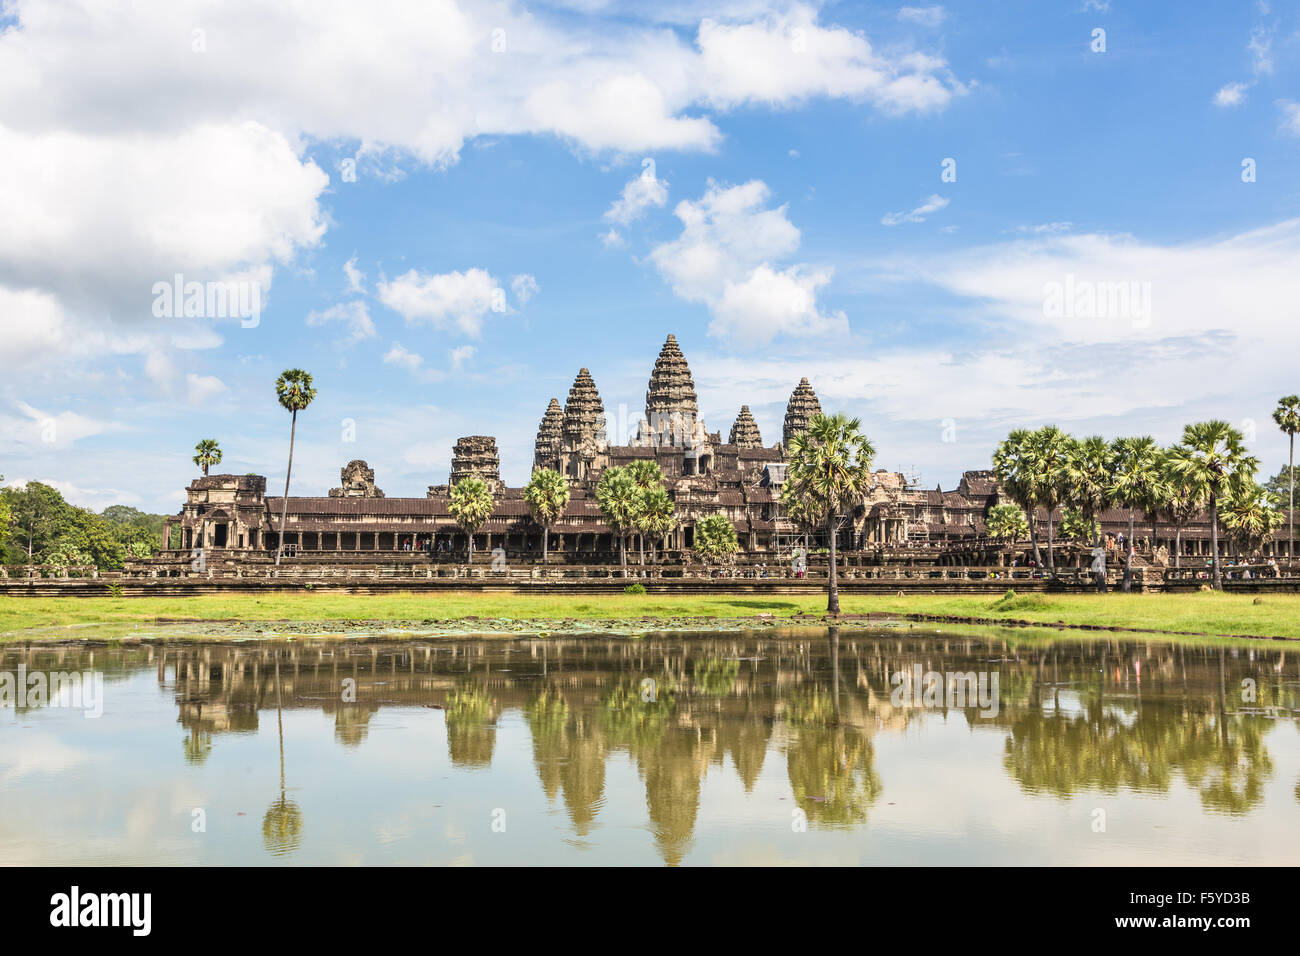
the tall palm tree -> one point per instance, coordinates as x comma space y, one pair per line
1212, 457
1015, 474
618, 497
293, 389
547, 495
655, 515
470, 506
282, 824
1047, 451
1179, 499
646, 473
1134, 485
1089, 468
206, 454
1287, 416
830, 471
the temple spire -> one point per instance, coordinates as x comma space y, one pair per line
802, 407
744, 432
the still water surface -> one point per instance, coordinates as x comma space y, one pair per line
736, 748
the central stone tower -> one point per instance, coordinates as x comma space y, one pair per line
671, 405
802, 407
584, 449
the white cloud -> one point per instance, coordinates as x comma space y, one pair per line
768, 303
612, 239
461, 299
931, 205
460, 355
356, 278
524, 286
413, 362
1290, 117
39, 427
354, 316
783, 58
923, 16
639, 194
202, 388
725, 258
1230, 94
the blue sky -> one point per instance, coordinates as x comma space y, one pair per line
541, 187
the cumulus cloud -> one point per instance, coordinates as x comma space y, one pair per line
459, 299
639, 194
524, 286
460, 355
1230, 94
783, 58
931, 205
202, 388
724, 258
353, 316
1290, 117
356, 278
413, 362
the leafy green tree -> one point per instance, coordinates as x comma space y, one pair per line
830, 472
1212, 458
1180, 499
715, 538
547, 495
1048, 451
38, 513
1287, 416
618, 498
206, 454
1135, 484
1006, 523
646, 474
655, 515
1089, 467
1250, 516
294, 391
470, 506
1077, 526
1015, 473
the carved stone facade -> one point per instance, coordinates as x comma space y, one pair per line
476, 457
231, 518
358, 480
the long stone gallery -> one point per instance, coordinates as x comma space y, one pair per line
235, 525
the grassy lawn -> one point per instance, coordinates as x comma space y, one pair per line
1200, 613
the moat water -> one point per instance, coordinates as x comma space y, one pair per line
891, 746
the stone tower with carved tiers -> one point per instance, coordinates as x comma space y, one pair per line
802, 407
476, 456
584, 449
744, 431
550, 437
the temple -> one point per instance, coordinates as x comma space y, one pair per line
232, 520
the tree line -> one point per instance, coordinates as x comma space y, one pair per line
1207, 472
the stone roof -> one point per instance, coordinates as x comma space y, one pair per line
744, 431
550, 434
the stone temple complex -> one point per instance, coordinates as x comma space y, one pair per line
233, 520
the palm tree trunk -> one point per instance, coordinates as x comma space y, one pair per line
1127, 584
546, 533
622, 553
1178, 546
1033, 537
832, 582
640, 541
284, 512
1217, 580
1051, 540
1291, 510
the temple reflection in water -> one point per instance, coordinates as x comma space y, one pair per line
1073, 716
